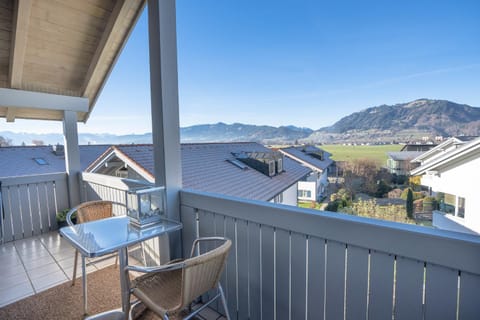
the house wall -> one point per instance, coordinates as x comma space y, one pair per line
460, 180
289, 196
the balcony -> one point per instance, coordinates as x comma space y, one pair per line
293, 263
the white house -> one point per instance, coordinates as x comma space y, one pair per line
312, 187
452, 172
247, 170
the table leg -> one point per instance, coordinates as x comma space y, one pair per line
84, 285
123, 257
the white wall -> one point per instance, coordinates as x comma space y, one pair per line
308, 186
290, 195
461, 181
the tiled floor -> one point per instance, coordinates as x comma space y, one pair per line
35, 264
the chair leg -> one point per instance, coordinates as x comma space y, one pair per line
224, 301
75, 267
116, 260
84, 285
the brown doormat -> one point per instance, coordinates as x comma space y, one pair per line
65, 302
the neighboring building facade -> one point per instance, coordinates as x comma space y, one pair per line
452, 171
418, 147
246, 170
400, 163
318, 161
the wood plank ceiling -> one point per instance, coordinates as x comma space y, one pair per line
65, 47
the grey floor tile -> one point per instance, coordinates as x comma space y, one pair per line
15, 293
48, 280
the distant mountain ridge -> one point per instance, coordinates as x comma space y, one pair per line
386, 123
219, 132
403, 122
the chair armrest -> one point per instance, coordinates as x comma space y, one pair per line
198, 240
69, 216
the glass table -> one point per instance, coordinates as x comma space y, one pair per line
101, 237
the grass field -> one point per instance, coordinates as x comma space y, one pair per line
346, 153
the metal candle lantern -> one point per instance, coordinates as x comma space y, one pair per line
145, 206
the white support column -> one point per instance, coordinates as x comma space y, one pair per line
72, 156
165, 113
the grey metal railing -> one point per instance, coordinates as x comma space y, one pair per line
29, 204
293, 263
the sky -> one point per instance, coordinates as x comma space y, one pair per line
303, 63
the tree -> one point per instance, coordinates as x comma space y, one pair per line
38, 142
4, 142
409, 204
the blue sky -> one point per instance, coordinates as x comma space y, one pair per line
303, 63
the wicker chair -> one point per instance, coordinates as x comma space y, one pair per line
169, 289
89, 211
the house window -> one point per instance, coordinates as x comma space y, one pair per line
40, 161
271, 168
461, 207
278, 198
304, 193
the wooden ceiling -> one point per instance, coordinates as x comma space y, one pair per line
64, 47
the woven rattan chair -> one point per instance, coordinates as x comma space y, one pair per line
89, 211
170, 289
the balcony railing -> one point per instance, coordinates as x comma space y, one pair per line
30, 204
292, 263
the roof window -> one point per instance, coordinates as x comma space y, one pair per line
268, 163
40, 161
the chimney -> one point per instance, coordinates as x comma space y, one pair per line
58, 150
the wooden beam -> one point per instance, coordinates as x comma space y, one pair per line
11, 114
19, 41
39, 100
112, 29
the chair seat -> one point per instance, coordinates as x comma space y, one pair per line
164, 300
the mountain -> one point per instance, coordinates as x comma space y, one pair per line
219, 132
403, 122
243, 132
386, 123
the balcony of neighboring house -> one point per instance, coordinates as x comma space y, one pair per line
451, 214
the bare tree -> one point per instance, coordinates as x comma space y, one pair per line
5, 142
38, 142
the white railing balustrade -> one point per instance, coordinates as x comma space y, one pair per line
29, 204
293, 263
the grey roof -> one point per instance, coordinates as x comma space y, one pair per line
301, 153
205, 167
466, 138
19, 161
404, 155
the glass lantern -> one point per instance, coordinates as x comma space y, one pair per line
145, 206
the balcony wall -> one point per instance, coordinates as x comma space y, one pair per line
292, 263
30, 204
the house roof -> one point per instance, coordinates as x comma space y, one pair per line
63, 47
404, 155
469, 150
20, 161
206, 167
301, 155
418, 147
442, 147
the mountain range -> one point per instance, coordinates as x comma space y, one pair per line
386, 123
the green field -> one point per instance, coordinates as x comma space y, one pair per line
347, 153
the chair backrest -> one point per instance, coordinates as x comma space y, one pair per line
94, 210
202, 273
